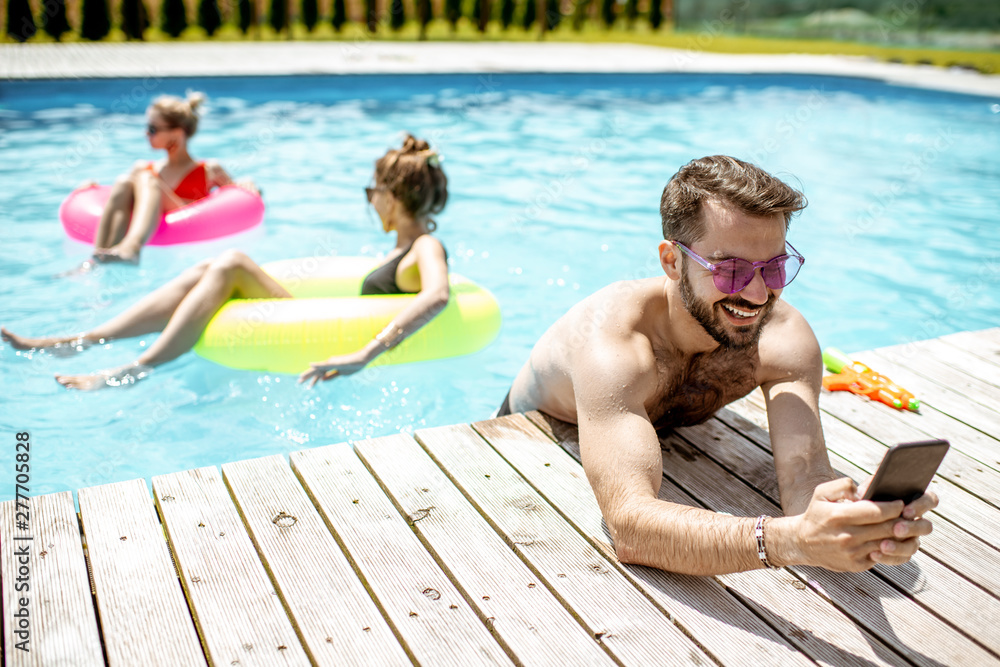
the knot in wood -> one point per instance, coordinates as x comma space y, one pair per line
432, 593
420, 514
284, 520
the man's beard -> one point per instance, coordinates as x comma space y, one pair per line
743, 338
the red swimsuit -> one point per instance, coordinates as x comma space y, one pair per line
194, 185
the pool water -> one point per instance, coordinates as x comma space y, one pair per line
554, 192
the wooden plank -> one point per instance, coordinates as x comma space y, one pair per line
981, 447
236, 609
62, 624
938, 589
957, 505
144, 616
889, 429
936, 395
520, 606
921, 360
436, 624
597, 591
884, 610
963, 360
334, 615
984, 344
960, 550
780, 599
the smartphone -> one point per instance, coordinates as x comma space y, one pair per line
906, 470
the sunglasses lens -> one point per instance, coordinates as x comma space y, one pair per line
732, 275
780, 271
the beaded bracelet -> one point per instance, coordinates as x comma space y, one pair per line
758, 532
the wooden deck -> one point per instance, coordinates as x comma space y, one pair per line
482, 544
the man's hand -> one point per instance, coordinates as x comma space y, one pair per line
346, 364
840, 532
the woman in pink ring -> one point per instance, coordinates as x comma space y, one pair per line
141, 197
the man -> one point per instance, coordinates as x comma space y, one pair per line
642, 355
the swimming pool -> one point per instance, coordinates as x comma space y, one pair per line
555, 183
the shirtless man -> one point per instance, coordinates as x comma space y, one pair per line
642, 355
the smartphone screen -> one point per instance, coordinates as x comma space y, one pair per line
906, 471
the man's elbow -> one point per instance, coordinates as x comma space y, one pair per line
626, 534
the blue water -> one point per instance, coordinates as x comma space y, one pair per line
554, 192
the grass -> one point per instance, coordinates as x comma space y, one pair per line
984, 61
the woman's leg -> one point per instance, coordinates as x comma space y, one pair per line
233, 275
116, 214
145, 219
151, 313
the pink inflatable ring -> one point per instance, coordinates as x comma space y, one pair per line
227, 210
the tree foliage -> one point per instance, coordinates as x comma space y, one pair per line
310, 14
453, 12
529, 15
20, 22
173, 17
54, 18
339, 16
655, 14
279, 15
507, 8
135, 20
208, 16
397, 15
608, 12
248, 15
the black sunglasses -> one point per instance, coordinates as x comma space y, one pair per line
153, 129
370, 191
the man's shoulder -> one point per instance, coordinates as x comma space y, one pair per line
787, 344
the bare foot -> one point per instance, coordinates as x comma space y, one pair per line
23, 343
87, 266
117, 377
117, 254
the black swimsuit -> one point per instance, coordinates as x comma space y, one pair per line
383, 279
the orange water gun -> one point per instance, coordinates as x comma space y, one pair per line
855, 377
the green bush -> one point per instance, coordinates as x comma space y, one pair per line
208, 16
173, 17
247, 15
453, 12
655, 14
54, 18
339, 17
279, 15
397, 15
135, 20
20, 22
310, 14
95, 23
506, 13
529, 15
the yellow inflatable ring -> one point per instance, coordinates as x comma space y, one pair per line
327, 317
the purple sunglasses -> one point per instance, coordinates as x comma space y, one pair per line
733, 275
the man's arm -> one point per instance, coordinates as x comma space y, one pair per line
823, 523
621, 456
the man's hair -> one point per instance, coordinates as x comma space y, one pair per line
726, 180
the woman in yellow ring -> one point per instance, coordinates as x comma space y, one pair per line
409, 187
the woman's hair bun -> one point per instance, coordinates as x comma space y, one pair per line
413, 145
195, 99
